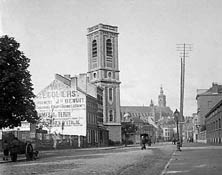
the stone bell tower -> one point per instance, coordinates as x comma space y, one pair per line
103, 70
162, 98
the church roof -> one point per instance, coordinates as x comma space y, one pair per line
146, 111
136, 111
166, 111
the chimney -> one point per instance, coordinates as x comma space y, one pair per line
74, 82
68, 76
214, 87
82, 82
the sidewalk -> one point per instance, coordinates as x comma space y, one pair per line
195, 159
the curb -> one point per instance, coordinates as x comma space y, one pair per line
167, 165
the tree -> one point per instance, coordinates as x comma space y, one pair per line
127, 129
16, 96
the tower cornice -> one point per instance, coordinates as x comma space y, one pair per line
107, 69
106, 81
103, 27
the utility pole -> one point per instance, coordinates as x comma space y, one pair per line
184, 50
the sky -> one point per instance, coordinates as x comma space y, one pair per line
52, 33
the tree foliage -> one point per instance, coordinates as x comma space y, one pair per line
16, 96
128, 128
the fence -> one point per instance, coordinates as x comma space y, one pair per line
44, 141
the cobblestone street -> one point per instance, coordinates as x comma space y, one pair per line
121, 161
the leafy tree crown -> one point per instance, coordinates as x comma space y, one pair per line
16, 91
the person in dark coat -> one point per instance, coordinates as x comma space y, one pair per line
143, 141
6, 150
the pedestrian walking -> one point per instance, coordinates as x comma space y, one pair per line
143, 142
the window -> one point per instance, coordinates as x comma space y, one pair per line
214, 125
110, 94
109, 51
94, 75
110, 115
96, 136
109, 74
94, 48
88, 136
219, 123
209, 103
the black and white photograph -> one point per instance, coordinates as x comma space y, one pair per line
110, 87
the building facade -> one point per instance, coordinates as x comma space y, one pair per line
168, 127
213, 124
70, 106
206, 99
103, 71
143, 126
157, 116
196, 125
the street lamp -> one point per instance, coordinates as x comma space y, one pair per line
176, 118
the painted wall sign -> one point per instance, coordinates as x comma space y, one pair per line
62, 109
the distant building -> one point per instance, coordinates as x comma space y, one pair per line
73, 106
153, 115
143, 127
168, 129
154, 112
103, 70
196, 125
188, 128
206, 99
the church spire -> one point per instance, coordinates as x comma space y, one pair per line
151, 103
161, 89
162, 98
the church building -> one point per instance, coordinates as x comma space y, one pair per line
103, 71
